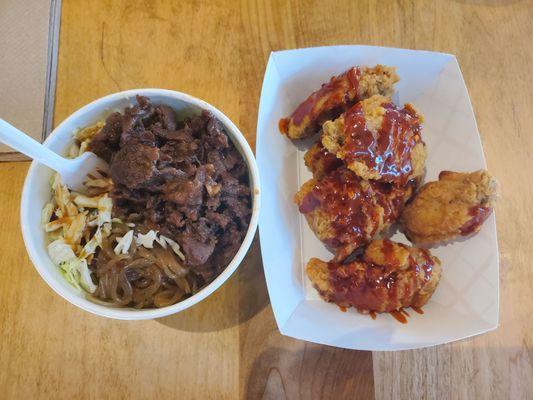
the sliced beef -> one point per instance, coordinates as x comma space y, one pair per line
188, 193
105, 142
167, 117
215, 136
197, 242
134, 164
185, 179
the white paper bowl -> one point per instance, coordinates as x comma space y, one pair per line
36, 193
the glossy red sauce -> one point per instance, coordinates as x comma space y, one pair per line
417, 309
350, 206
389, 152
283, 125
376, 288
479, 215
324, 161
339, 93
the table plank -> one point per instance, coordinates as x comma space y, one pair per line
228, 346
491, 42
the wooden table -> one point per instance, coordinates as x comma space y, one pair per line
228, 346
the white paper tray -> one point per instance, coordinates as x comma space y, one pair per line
466, 300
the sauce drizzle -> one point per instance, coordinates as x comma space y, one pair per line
352, 206
388, 152
479, 215
327, 102
381, 288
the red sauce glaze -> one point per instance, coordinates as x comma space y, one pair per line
283, 125
399, 316
479, 215
340, 91
372, 314
329, 161
417, 309
352, 207
378, 288
390, 152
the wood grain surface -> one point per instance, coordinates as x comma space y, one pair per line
228, 346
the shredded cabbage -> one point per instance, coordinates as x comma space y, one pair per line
173, 245
124, 243
47, 212
105, 205
146, 240
60, 252
70, 272
77, 273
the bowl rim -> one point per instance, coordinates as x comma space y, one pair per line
130, 313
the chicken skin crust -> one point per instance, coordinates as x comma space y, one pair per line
378, 140
336, 96
387, 277
346, 212
320, 161
455, 205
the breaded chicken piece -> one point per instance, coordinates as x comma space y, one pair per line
337, 95
378, 140
455, 205
320, 161
387, 277
346, 212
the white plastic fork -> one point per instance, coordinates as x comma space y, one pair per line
73, 171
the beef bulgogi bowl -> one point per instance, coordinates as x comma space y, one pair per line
166, 218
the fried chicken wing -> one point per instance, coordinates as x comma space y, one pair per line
337, 95
346, 212
455, 205
378, 140
387, 277
320, 161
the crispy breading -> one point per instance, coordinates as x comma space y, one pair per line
320, 161
378, 140
455, 205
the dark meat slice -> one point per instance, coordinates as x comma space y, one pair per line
105, 142
174, 216
240, 208
180, 151
181, 135
198, 124
215, 135
139, 114
231, 186
197, 241
215, 157
232, 158
139, 135
167, 116
221, 219
170, 173
188, 193
134, 165
229, 243
155, 210
213, 202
